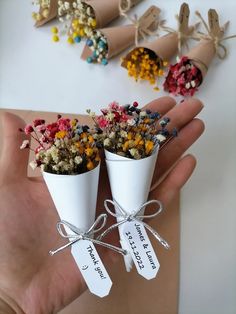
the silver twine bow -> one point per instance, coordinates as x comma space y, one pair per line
135, 216
78, 235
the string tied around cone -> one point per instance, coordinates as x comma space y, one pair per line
77, 235
217, 37
141, 31
137, 215
182, 34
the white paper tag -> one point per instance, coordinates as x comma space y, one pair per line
141, 249
91, 268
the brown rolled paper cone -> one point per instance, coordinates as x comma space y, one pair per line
53, 12
164, 47
202, 55
106, 10
118, 39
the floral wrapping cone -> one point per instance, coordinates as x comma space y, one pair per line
117, 39
70, 163
185, 77
106, 11
131, 138
130, 182
75, 196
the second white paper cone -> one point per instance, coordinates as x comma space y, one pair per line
130, 182
75, 196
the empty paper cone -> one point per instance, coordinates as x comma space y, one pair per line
75, 196
130, 182
118, 39
106, 10
202, 55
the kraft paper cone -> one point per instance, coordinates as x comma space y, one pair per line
202, 55
75, 196
118, 39
130, 182
164, 47
106, 10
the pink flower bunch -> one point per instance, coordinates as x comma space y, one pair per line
183, 78
114, 114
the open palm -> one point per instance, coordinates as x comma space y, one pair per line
36, 281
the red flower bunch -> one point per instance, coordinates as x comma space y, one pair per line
183, 78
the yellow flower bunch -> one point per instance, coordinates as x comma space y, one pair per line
143, 64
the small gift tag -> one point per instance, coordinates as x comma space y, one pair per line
149, 20
184, 18
141, 249
91, 268
213, 20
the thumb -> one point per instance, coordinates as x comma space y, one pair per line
13, 161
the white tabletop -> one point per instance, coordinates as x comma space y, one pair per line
37, 74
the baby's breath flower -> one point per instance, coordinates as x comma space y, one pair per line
25, 144
33, 164
78, 160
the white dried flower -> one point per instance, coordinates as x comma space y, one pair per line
33, 164
161, 138
107, 142
25, 144
78, 160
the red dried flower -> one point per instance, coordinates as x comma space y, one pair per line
38, 122
28, 129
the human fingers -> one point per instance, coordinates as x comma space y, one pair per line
13, 161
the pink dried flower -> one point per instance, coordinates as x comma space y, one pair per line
114, 106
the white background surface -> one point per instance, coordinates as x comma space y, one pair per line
40, 75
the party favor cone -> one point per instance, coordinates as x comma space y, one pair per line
118, 39
130, 182
202, 55
75, 196
106, 10
164, 47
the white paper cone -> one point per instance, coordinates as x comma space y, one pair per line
130, 182
75, 196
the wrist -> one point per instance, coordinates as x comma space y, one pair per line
8, 305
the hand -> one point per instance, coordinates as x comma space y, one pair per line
37, 282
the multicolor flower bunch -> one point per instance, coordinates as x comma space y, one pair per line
44, 12
144, 64
78, 20
63, 147
97, 42
129, 131
183, 78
